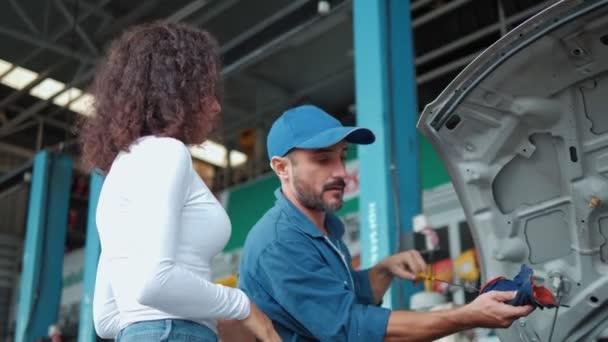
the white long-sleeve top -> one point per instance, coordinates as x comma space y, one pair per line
159, 227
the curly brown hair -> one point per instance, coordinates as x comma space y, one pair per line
156, 79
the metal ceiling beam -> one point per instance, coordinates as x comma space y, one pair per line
83, 35
420, 3
421, 79
96, 9
463, 61
278, 43
446, 68
275, 45
428, 17
46, 18
62, 145
501, 18
19, 128
56, 112
39, 136
56, 123
443, 50
59, 34
258, 79
105, 23
187, 10
179, 15
16, 150
321, 83
214, 11
132, 16
38, 119
47, 45
259, 27
24, 17
422, 59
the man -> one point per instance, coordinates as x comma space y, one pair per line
296, 268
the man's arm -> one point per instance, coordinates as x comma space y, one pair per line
379, 281
405, 265
312, 295
488, 310
425, 326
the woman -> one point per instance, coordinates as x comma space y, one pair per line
158, 91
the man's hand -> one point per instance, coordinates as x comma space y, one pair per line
234, 331
260, 325
404, 265
489, 310
256, 327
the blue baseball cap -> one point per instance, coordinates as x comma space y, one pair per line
309, 127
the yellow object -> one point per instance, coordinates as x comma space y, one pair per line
427, 277
230, 281
428, 282
466, 266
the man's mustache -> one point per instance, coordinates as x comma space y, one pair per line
337, 185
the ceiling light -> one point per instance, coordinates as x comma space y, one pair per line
47, 88
83, 105
4, 66
19, 77
214, 153
67, 96
237, 158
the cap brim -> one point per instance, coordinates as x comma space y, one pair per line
330, 137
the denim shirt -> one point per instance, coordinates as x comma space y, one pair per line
304, 282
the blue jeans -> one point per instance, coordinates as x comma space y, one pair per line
166, 330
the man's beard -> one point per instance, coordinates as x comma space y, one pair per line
314, 201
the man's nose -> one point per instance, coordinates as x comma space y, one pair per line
340, 171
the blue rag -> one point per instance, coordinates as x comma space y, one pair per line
527, 292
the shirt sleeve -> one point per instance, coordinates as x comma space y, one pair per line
160, 282
303, 285
363, 288
106, 316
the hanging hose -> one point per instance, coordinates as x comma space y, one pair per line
558, 295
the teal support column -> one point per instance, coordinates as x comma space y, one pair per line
86, 329
386, 103
41, 276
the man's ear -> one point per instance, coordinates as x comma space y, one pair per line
279, 165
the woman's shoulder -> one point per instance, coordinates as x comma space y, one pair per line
153, 150
159, 146
152, 141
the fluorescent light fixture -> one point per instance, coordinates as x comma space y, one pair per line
67, 96
214, 153
237, 158
19, 77
83, 105
5, 66
47, 88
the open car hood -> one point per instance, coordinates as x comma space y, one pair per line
523, 133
